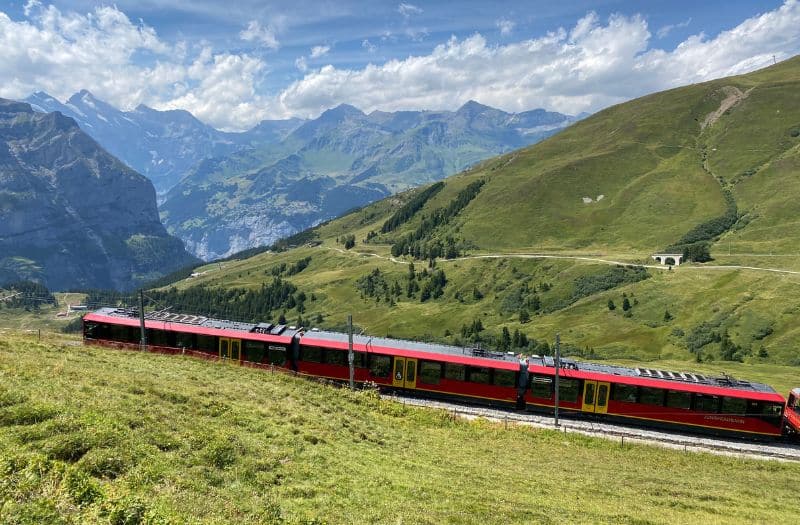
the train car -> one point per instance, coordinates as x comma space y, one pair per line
261, 344
491, 378
641, 396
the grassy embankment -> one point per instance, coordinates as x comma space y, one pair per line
94, 435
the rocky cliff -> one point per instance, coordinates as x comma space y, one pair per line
71, 214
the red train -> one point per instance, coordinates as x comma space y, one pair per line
685, 401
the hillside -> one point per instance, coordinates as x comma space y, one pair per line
341, 160
711, 166
72, 215
92, 435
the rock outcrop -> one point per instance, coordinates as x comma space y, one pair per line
71, 214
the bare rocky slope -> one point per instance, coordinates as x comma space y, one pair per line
71, 214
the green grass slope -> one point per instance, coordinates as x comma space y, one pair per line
92, 435
664, 164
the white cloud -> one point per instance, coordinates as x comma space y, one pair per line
31, 6
64, 52
319, 51
369, 46
665, 30
586, 67
593, 65
408, 9
505, 26
254, 32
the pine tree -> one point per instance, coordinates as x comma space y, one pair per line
524, 316
611, 305
626, 304
667, 316
505, 339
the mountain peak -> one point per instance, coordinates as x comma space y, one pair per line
473, 107
342, 111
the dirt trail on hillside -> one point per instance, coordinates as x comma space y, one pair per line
734, 95
596, 260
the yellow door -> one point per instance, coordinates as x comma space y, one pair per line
236, 349
224, 347
399, 371
601, 403
589, 394
411, 373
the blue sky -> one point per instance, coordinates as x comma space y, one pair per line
234, 63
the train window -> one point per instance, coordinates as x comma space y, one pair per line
569, 390
207, 343
677, 399
504, 378
312, 354
336, 357
184, 340
624, 393
157, 337
734, 405
542, 387
478, 375
771, 412
411, 370
651, 396
380, 365
359, 360
703, 403
253, 351
457, 372
430, 372
277, 355
124, 333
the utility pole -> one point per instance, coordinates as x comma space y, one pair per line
143, 339
350, 356
558, 366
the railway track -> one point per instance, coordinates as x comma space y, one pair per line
622, 434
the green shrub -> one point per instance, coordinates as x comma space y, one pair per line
80, 487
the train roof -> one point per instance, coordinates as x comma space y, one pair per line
723, 385
414, 349
195, 324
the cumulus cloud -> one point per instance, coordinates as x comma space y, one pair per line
505, 26
62, 53
590, 66
254, 32
319, 51
667, 29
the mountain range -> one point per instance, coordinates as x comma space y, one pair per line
223, 192
71, 214
161, 145
342, 160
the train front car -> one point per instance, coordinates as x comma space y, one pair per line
680, 401
792, 414
434, 370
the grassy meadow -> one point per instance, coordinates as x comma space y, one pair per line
93, 435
